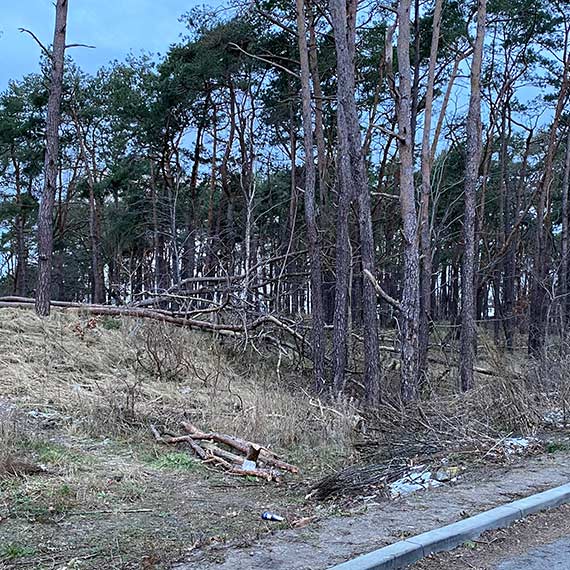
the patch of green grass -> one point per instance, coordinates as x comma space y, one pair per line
555, 446
177, 461
14, 551
40, 504
111, 324
54, 453
130, 491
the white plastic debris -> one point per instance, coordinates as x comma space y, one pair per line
516, 445
555, 418
418, 479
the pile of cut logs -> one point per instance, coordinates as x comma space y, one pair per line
236, 457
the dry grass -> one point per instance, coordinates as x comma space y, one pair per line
112, 377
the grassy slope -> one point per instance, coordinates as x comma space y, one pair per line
77, 395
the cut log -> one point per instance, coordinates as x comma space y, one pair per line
227, 455
212, 454
267, 474
253, 452
265, 456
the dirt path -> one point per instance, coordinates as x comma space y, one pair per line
340, 538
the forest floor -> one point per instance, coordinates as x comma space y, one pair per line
76, 398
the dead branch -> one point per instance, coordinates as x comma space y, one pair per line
37, 40
232, 463
390, 300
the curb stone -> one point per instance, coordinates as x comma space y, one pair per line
405, 552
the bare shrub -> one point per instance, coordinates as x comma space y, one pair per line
115, 409
16, 440
161, 351
551, 379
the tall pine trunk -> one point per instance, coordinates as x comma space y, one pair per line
410, 303
353, 183
45, 215
426, 165
474, 149
318, 341
564, 266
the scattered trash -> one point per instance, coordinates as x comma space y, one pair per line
447, 474
269, 516
249, 465
555, 419
516, 445
392, 479
418, 479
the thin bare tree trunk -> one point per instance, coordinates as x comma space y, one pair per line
97, 272
45, 215
563, 275
474, 149
353, 182
426, 164
539, 302
20, 273
318, 341
318, 97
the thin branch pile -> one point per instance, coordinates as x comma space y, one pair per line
357, 479
236, 457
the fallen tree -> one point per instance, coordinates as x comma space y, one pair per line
245, 327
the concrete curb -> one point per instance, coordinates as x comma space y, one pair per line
405, 552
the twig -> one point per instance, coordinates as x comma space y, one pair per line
268, 61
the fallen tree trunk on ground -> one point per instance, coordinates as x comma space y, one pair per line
230, 462
156, 314
303, 347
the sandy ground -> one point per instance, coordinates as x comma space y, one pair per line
338, 539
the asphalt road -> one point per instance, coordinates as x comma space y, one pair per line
538, 542
553, 556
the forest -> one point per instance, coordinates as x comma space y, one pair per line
377, 187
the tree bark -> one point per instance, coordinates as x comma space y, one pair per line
353, 182
45, 215
474, 149
318, 340
563, 274
426, 165
410, 302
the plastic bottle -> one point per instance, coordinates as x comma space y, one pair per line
268, 516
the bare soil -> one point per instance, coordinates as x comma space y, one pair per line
337, 539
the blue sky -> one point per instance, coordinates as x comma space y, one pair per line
115, 27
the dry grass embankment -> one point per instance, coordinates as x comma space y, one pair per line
113, 376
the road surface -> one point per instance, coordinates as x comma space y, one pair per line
539, 542
553, 556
